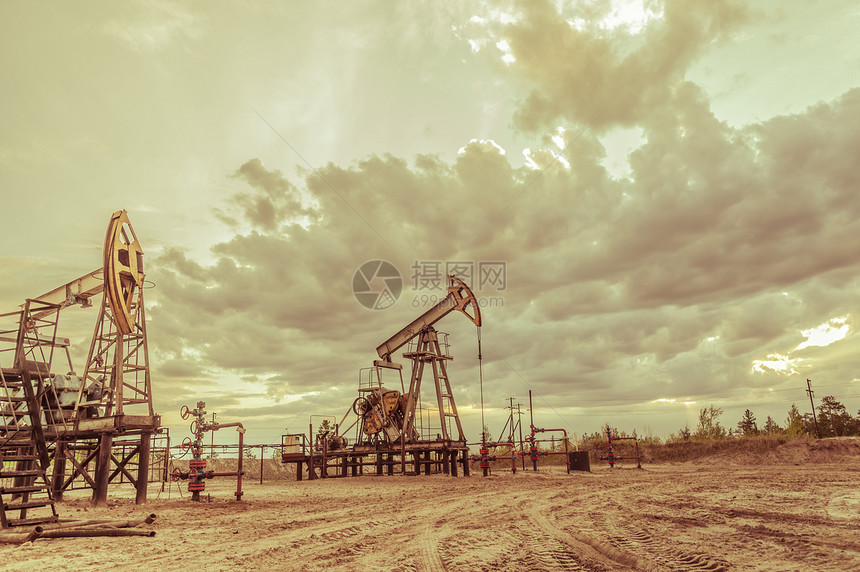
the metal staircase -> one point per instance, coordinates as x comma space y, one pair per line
25, 492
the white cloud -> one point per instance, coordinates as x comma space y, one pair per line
777, 363
631, 15
827, 333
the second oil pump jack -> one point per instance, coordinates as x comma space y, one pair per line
392, 422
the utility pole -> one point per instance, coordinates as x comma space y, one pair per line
212, 441
520, 425
814, 418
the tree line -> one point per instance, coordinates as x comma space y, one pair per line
831, 420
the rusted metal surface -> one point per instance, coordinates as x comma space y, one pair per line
16, 537
90, 532
96, 523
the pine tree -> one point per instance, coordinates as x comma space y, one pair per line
747, 425
322, 432
833, 419
771, 427
794, 425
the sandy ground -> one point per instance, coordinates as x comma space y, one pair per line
703, 515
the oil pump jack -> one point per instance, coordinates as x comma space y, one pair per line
46, 414
393, 413
389, 423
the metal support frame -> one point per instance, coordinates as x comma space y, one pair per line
117, 364
429, 350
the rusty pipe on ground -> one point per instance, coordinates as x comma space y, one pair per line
15, 537
96, 523
89, 532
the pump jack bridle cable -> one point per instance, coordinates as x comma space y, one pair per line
481, 383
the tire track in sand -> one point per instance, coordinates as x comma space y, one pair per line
428, 548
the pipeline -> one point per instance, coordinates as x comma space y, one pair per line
485, 456
197, 473
610, 454
534, 452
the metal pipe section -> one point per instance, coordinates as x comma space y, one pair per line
610, 454
513, 454
88, 532
239, 472
484, 458
96, 523
533, 450
566, 452
311, 473
197, 473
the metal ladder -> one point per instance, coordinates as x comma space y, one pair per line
25, 494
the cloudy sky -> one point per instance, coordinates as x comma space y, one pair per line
669, 186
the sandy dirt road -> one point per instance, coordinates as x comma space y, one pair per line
686, 516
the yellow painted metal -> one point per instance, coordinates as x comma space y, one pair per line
123, 271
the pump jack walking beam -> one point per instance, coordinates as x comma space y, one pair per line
459, 298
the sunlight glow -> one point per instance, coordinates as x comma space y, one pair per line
777, 363
505, 48
670, 400
618, 144
560, 159
825, 334
527, 153
633, 15
484, 142
558, 138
